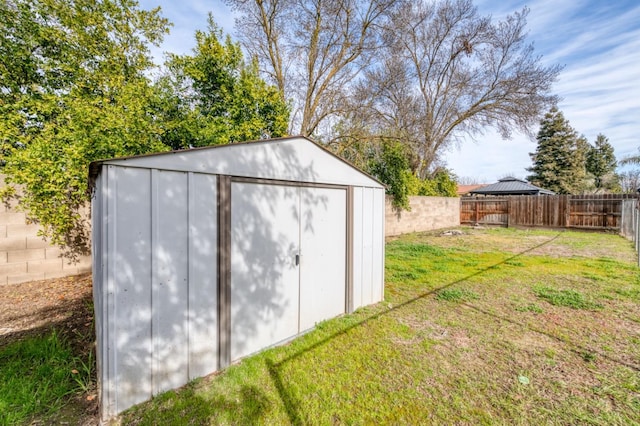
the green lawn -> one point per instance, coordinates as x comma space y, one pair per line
495, 326
38, 377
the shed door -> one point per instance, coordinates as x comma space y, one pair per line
264, 275
288, 262
323, 248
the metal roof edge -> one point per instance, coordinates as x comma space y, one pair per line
95, 166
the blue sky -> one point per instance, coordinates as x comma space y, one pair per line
597, 42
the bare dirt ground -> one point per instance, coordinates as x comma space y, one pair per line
63, 304
37, 306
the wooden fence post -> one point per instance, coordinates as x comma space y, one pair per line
477, 221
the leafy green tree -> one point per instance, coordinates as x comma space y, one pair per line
392, 166
213, 97
559, 160
441, 183
601, 164
72, 89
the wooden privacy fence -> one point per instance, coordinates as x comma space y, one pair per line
594, 211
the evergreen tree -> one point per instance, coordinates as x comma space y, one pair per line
601, 164
559, 160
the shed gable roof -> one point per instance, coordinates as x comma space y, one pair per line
511, 186
296, 159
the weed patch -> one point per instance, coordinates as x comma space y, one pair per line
630, 293
531, 307
567, 298
456, 295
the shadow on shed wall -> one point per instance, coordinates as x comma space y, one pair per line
159, 322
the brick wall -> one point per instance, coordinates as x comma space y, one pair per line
24, 256
427, 213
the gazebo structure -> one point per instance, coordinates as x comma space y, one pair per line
511, 186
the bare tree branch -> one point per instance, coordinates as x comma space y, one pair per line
312, 49
445, 71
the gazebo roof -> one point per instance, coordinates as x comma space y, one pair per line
511, 186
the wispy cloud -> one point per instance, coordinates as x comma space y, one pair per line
599, 45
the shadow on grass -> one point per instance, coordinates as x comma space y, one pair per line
187, 406
289, 400
72, 318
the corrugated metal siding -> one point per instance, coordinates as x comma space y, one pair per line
159, 289
129, 286
156, 249
377, 263
368, 246
97, 257
358, 212
203, 272
265, 229
323, 245
288, 262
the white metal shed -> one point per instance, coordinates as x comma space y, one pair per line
204, 256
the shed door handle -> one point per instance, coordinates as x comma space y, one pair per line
297, 259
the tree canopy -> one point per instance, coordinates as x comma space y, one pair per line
390, 164
213, 97
74, 88
567, 163
601, 165
312, 51
559, 159
446, 71
424, 73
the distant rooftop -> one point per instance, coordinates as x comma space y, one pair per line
511, 186
465, 189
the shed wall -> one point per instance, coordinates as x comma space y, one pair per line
368, 246
157, 294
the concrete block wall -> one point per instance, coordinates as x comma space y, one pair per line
24, 256
426, 214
